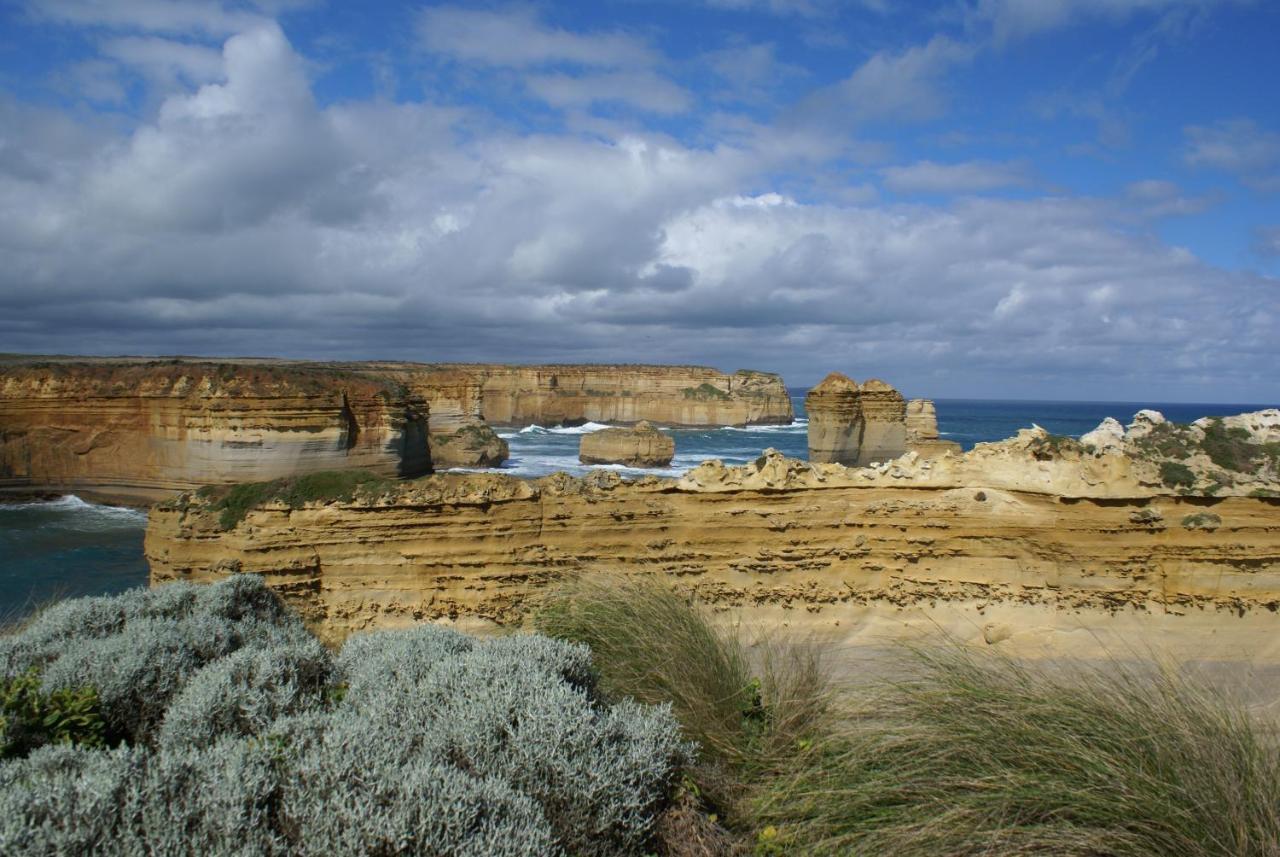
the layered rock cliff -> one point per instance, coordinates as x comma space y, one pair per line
1036, 540
668, 395
139, 430
858, 424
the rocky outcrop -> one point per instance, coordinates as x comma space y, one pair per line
1031, 542
138, 430
473, 445
857, 425
641, 446
668, 395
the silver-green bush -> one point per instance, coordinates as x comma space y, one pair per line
242, 735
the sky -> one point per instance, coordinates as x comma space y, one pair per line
1045, 199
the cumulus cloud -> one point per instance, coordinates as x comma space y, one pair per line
247, 217
966, 177
166, 16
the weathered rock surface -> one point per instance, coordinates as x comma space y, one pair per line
641, 446
473, 445
857, 425
1030, 543
141, 429
668, 395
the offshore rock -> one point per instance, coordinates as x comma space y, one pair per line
641, 446
472, 445
836, 422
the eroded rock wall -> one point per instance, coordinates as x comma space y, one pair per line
1006, 545
669, 395
140, 430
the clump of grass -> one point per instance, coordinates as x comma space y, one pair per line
1202, 521
967, 755
234, 503
655, 645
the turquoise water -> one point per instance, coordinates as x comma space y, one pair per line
67, 547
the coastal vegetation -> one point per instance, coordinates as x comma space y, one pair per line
234, 502
226, 728
951, 751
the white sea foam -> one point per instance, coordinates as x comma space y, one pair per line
88, 513
585, 428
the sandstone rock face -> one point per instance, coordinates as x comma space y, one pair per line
669, 395
1031, 544
836, 423
642, 446
139, 430
857, 425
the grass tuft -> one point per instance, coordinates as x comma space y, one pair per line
965, 754
748, 709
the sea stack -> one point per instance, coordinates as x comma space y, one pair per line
856, 425
640, 446
836, 423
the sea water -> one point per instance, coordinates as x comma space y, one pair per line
67, 547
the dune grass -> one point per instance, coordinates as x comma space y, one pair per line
947, 751
748, 707
966, 754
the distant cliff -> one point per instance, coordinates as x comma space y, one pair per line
139, 429
668, 395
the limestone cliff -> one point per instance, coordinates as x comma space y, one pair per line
668, 395
641, 446
858, 424
1033, 541
138, 430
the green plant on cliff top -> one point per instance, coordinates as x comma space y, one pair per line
704, 392
1175, 474
340, 486
31, 717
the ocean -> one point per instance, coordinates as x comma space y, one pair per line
66, 547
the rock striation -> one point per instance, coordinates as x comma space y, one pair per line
139, 430
857, 425
641, 446
576, 394
1034, 542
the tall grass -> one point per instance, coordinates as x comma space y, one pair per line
748, 710
967, 755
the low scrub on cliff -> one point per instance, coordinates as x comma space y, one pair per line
225, 728
235, 502
966, 754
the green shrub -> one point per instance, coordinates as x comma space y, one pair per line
341, 486
1202, 521
30, 718
1175, 474
961, 754
705, 391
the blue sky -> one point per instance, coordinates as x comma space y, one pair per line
989, 198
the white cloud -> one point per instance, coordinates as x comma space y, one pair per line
1163, 198
514, 37
966, 177
640, 89
1237, 146
1011, 20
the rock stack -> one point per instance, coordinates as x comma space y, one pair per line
641, 446
834, 409
857, 425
